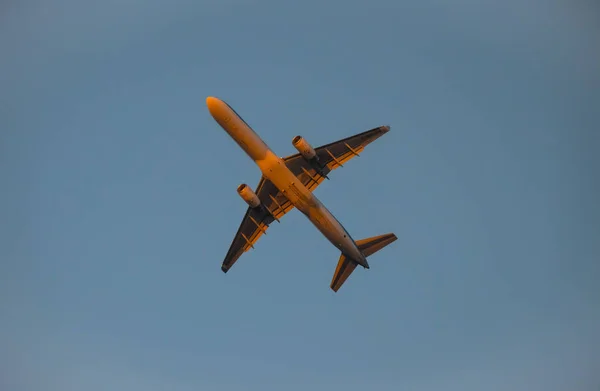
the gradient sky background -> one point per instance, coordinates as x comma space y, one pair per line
118, 197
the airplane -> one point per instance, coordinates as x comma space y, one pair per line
289, 182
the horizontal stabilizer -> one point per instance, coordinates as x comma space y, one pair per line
368, 246
344, 268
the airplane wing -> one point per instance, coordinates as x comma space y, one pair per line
331, 156
257, 220
274, 204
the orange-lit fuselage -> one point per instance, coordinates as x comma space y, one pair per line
274, 169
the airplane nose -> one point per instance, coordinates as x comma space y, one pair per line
211, 101
215, 106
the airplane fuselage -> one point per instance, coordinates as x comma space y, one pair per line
275, 169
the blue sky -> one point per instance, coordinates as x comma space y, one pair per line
119, 202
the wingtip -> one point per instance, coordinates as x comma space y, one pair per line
224, 269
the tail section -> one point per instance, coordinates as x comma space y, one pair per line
368, 247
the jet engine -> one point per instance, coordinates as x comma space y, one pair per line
248, 195
304, 148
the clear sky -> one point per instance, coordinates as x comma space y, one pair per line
118, 197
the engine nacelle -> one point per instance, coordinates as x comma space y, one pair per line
248, 195
304, 148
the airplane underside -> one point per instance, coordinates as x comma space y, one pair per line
289, 183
